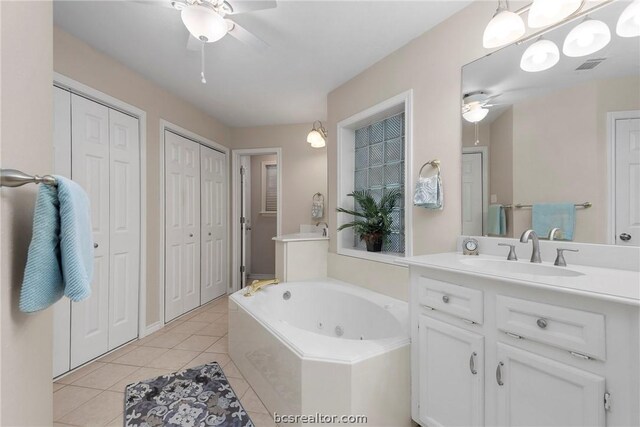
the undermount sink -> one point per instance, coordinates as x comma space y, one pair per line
520, 267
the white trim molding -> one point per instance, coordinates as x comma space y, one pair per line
164, 126
78, 88
235, 203
484, 152
402, 102
611, 168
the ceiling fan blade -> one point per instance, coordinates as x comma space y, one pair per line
246, 37
243, 6
193, 43
158, 3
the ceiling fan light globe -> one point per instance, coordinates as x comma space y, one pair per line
475, 113
540, 56
505, 27
204, 23
629, 22
586, 38
548, 12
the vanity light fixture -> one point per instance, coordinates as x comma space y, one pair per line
629, 22
475, 112
317, 136
505, 27
586, 38
540, 56
548, 12
204, 23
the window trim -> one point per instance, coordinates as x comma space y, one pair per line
263, 183
346, 160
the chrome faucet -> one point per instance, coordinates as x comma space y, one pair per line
552, 233
535, 253
324, 229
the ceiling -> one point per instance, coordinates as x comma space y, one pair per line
315, 46
499, 73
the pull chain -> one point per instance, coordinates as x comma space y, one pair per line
202, 79
477, 138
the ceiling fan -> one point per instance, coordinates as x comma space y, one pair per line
475, 105
207, 22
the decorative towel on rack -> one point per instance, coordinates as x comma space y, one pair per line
60, 257
317, 207
428, 192
545, 216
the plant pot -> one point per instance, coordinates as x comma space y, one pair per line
374, 245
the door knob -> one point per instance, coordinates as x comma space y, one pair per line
625, 237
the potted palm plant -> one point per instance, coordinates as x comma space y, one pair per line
372, 223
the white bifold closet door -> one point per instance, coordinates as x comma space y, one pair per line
182, 225
213, 220
105, 162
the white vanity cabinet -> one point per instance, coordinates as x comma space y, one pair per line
490, 352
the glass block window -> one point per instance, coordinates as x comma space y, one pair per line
379, 166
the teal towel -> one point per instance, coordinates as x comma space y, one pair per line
60, 257
496, 221
545, 216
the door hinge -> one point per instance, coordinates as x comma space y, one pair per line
607, 401
580, 355
243, 220
471, 322
242, 171
242, 268
518, 337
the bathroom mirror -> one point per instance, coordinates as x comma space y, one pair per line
549, 139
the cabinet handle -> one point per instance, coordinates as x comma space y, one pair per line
445, 298
95, 246
542, 323
472, 363
499, 374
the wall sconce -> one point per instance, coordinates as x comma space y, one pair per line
317, 136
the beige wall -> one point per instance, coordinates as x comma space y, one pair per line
431, 66
25, 137
304, 169
77, 60
263, 227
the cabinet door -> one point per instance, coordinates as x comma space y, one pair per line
213, 231
451, 375
537, 391
90, 169
182, 225
124, 213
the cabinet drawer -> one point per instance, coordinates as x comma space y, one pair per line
573, 330
456, 300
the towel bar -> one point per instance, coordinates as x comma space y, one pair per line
584, 205
16, 178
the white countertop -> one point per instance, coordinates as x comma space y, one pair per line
300, 237
604, 283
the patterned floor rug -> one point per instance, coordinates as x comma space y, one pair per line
196, 397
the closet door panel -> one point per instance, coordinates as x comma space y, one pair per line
191, 224
90, 169
213, 255
124, 228
174, 235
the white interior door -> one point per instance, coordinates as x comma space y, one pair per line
90, 169
182, 225
213, 258
124, 212
627, 142
472, 197
61, 166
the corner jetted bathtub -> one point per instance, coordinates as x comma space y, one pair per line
324, 347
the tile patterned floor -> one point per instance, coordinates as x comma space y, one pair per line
94, 394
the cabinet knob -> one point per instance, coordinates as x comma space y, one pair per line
95, 246
209, 233
445, 298
190, 234
542, 323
